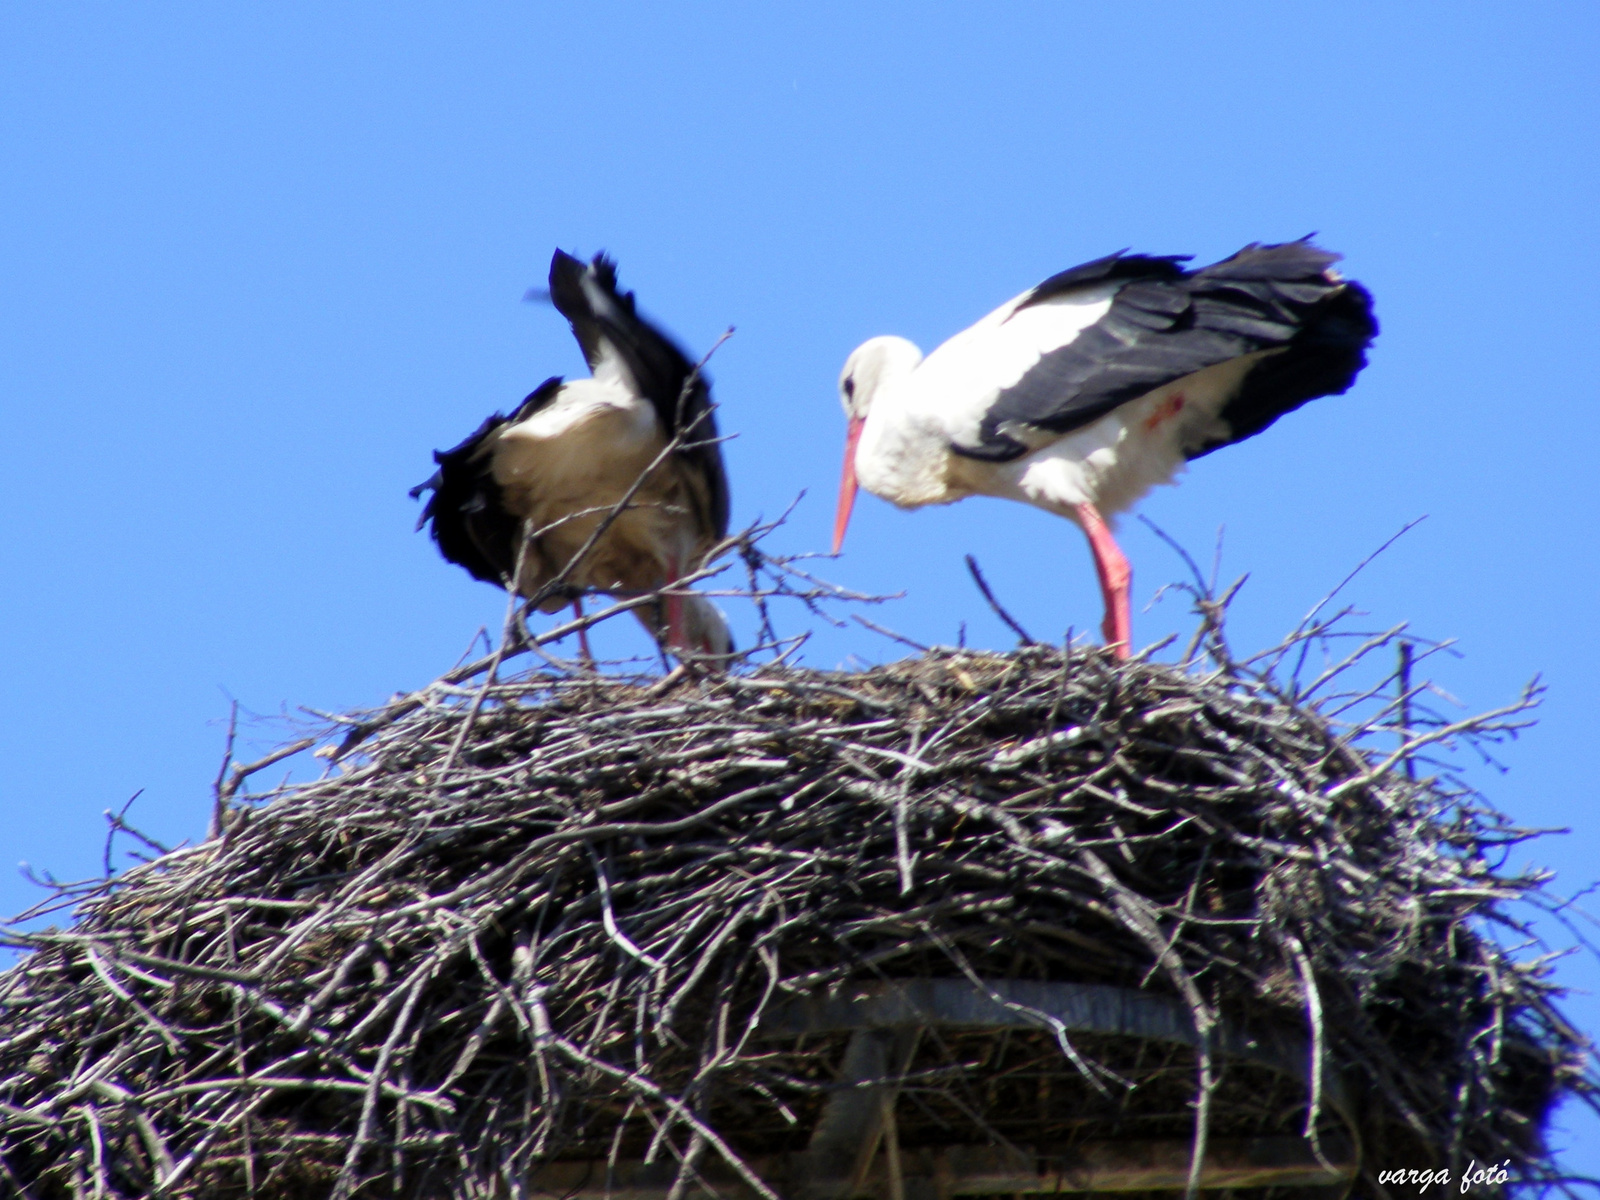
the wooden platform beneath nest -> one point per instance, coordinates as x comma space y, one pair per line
939, 1172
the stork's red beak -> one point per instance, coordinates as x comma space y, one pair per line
847, 483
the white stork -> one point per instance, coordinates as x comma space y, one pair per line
1079, 395
558, 467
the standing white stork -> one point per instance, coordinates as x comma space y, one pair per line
557, 470
1079, 395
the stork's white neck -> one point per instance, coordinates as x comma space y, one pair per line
903, 452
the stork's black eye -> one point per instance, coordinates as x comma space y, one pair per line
850, 388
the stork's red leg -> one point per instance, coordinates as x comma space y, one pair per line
583, 634
675, 638
1115, 576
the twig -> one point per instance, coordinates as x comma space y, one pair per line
1403, 716
115, 823
999, 610
219, 810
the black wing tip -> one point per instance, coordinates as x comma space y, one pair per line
586, 293
566, 283
566, 276
605, 271
1323, 359
1112, 267
569, 267
1363, 299
430, 484
1299, 259
467, 527
563, 263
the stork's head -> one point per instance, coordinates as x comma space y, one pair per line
875, 365
706, 630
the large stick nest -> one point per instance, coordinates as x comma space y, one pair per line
542, 921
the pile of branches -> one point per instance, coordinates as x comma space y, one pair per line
538, 918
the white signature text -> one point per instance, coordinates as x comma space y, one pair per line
1421, 1178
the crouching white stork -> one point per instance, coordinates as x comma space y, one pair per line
557, 469
1081, 394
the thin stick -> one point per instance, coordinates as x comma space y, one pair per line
999, 610
219, 809
1403, 714
115, 823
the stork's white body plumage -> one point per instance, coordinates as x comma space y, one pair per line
1082, 394
917, 415
578, 490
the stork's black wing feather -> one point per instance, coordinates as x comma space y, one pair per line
604, 318
1165, 323
1120, 265
470, 524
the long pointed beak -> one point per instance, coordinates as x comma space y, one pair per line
847, 482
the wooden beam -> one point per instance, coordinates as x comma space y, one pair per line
937, 1173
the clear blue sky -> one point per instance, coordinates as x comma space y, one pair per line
257, 261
